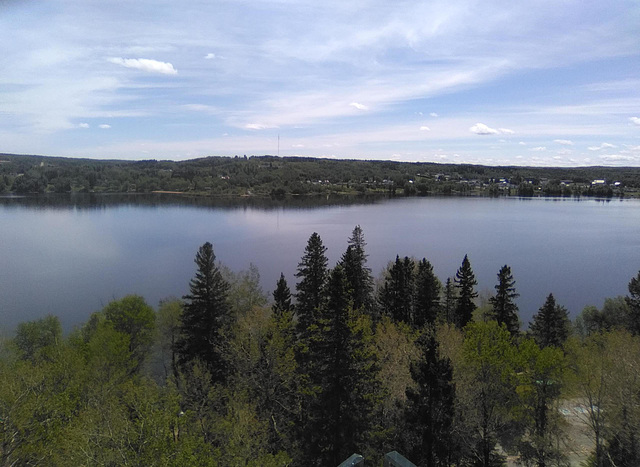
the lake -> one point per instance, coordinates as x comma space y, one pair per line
69, 256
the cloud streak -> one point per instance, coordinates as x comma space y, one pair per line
483, 130
145, 64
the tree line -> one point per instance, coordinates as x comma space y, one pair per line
286, 177
343, 364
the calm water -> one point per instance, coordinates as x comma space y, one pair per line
71, 257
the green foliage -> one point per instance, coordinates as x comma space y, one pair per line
615, 314
551, 324
256, 388
540, 378
397, 294
465, 282
633, 300
427, 295
33, 337
133, 317
312, 272
245, 291
343, 389
430, 406
358, 275
280, 177
504, 309
486, 382
206, 317
281, 297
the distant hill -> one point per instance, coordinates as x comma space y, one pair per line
294, 176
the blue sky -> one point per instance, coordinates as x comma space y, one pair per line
492, 82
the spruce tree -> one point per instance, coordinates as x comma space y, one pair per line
430, 405
550, 325
281, 297
449, 301
465, 282
397, 293
504, 310
342, 377
206, 318
427, 295
633, 300
359, 280
312, 271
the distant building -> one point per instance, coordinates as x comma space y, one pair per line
598, 182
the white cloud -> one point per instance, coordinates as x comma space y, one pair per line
83, 125
565, 152
635, 120
433, 114
602, 146
482, 129
618, 157
210, 56
145, 64
257, 126
522, 143
104, 126
565, 142
359, 106
425, 128
538, 149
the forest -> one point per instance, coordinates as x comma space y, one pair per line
287, 177
336, 364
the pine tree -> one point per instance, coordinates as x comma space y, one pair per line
465, 282
342, 376
430, 405
427, 295
550, 325
206, 317
505, 311
358, 276
312, 271
281, 297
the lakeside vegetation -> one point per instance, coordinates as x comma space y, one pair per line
285, 177
231, 375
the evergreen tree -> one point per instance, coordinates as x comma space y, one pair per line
312, 271
206, 318
281, 297
427, 295
465, 282
359, 280
550, 325
342, 376
505, 311
449, 301
633, 300
430, 405
397, 292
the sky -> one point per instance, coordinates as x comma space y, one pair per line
526, 82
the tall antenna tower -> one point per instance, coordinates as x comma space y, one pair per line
278, 144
